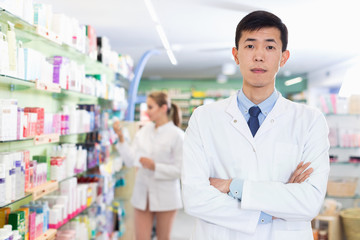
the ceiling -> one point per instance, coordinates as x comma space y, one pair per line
201, 32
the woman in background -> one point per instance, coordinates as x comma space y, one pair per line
157, 151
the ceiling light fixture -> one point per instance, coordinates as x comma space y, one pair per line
228, 69
221, 78
152, 12
293, 81
160, 31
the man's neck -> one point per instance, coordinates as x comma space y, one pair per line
257, 95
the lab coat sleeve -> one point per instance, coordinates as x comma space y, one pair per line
128, 152
203, 200
295, 202
164, 171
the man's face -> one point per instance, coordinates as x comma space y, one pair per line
260, 56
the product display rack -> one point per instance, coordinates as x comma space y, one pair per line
48, 44
50, 97
48, 235
343, 168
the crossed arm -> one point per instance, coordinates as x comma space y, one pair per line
298, 176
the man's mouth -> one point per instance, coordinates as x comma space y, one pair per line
258, 70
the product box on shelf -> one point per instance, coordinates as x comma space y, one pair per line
8, 119
32, 225
26, 221
32, 60
4, 61
4, 216
17, 220
91, 35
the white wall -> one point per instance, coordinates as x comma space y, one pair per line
321, 80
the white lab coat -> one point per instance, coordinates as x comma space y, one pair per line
218, 143
162, 187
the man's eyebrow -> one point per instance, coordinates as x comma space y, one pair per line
250, 40
271, 40
254, 40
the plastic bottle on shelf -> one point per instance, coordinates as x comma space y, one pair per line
22, 180
65, 120
4, 51
13, 178
12, 49
2, 183
18, 179
10, 233
323, 235
5, 159
16, 235
2, 234
46, 215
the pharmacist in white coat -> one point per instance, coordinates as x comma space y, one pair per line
241, 153
157, 151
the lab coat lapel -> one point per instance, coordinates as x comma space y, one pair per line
271, 120
237, 119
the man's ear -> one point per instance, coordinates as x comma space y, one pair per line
285, 56
235, 53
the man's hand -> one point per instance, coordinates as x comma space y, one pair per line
147, 163
223, 185
299, 176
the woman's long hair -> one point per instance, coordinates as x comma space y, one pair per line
173, 111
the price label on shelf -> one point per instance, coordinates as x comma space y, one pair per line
48, 34
42, 190
51, 87
47, 138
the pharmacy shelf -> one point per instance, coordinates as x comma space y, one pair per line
344, 148
46, 138
18, 202
32, 195
18, 84
50, 45
345, 163
356, 196
44, 189
50, 234
72, 217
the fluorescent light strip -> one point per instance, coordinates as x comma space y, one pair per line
152, 12
160, 31
163, 37
171, 57
293, 81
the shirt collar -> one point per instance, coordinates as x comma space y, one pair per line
266, 106
164, 126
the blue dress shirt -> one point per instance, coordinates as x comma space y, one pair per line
244, 105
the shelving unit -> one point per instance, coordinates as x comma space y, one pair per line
50, 97
42, 190
342, 149
48, 235
332, 226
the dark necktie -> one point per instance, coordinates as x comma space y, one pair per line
253, 120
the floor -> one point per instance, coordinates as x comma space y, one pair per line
183, 226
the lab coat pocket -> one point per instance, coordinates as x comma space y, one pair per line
285, 160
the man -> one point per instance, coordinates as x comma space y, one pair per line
240, 153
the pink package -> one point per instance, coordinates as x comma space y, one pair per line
32, 226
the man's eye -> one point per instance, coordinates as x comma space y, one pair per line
271, 47
249, 46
